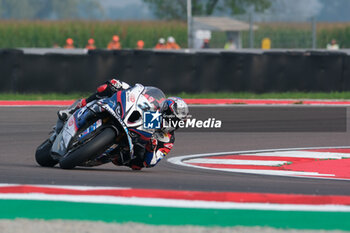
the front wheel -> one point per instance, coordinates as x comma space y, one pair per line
42, 155
95, 146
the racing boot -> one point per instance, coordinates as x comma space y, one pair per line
139, 152
119, 159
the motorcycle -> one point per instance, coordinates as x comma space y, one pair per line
102, 129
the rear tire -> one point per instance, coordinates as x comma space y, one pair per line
42, 155
95, 146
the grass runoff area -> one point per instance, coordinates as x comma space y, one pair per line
220, 95
152, 215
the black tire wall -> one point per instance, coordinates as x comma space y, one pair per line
176, 72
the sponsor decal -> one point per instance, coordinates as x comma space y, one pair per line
71, 122
150, 99
169, 145
132, 97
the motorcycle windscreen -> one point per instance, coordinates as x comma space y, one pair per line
155, 97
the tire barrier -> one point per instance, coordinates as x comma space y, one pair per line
174, 72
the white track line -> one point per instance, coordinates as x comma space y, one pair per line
73, 187
180, 160
303, 154
176, 203
269, 172
237, 162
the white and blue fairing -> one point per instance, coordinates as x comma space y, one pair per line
126, 106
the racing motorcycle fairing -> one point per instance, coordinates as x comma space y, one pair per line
122, 124
130, 105
124, 103
123, 112
75, 123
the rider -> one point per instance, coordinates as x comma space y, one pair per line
172, 108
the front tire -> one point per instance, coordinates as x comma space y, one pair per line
95, 146
42, 155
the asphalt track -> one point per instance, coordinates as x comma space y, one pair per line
22, 129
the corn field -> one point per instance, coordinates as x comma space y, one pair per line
44, 34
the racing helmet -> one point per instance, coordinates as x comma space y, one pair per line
115, 38
69, 41
171, 39
174, 109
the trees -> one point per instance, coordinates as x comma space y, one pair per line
50, 9
176, 9
10, 9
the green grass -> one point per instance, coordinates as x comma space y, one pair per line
220, 95
48, 210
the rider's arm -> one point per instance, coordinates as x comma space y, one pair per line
155, 151
162, 144
107, 90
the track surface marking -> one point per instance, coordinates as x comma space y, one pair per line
330, 163
24, 128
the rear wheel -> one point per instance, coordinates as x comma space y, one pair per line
95, 146
42, 155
